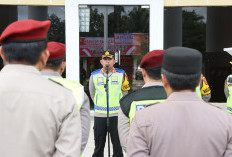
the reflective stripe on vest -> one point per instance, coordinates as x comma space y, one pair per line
114, 92
76, 88
229, 99
139, 105
198, 90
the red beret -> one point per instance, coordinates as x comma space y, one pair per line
152, 59
26, 30
56, 50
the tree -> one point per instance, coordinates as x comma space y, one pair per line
57, 29
194, 31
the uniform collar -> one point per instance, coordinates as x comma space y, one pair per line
152, 84
50, 73
183, 96
113, 71
20, 68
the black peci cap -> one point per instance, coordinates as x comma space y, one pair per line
182, 60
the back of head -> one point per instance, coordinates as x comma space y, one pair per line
182, 67
23, 41
152, 63
57, 55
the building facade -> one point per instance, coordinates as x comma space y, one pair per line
131, 28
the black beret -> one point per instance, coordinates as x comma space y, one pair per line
182, 60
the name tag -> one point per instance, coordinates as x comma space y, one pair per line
140, 107
100, 81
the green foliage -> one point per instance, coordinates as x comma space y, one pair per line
194, 31
57, 29
135, 21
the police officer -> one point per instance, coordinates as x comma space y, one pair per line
38, 117
228, 92
53, 70
183, 125
152, 92
117, 86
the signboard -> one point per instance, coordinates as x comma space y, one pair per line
127, 43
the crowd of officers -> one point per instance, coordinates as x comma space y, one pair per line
43, 114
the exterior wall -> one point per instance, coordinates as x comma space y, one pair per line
167, 3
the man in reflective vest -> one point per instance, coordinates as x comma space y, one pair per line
53, 70
117, 86
152, 92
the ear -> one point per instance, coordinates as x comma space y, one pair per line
44, 57
2, 55
144, 73
62, 67
101, 61
42, 60
164, 80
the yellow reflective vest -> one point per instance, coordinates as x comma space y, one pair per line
76, 88
114, 91
229, 99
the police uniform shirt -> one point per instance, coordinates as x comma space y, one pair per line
84, 112
38, 118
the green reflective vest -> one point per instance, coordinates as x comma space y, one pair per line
76, 88
114, 92
198, 90
229, 99
138, 105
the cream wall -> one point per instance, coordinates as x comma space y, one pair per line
167, 3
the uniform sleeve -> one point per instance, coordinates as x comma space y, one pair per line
205, 90
85, 122
125, 84
137, 146
68, 142
91, 88
226, 90
228, 151
123, 128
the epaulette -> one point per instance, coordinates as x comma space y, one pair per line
119, 70
96, 72
147, 93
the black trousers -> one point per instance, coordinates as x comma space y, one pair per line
100, 132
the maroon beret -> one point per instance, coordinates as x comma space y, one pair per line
26, 31
152, 59
56, 50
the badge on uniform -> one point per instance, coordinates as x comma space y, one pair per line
100, 81
114, 80
140, 107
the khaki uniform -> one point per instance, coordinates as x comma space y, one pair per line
84, 112
182, 126
38, 118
